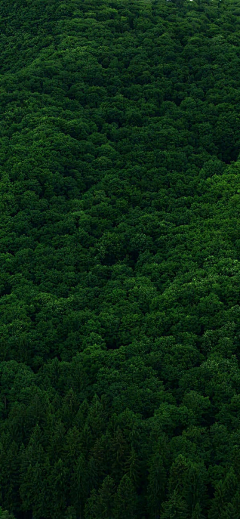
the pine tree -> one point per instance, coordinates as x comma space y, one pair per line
175, 507
105, 499
226, 497
100, 505
35, 470
156, 486
197, 512
59, 487
92, 506
79, 485
126, 499
132, 466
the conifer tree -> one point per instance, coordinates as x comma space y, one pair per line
156, 486
126, 499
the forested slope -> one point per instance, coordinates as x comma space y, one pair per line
120, 259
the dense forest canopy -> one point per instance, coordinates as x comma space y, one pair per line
120, 259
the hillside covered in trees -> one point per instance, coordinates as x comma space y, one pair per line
119, 259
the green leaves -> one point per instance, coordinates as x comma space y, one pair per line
4, 514
119, 237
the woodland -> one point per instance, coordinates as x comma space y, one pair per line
119, 259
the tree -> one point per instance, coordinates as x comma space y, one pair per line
79, 484
156, 486
125, 499
34, 477
175, 507
100, 505
4, 514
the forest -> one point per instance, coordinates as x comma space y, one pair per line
120, 259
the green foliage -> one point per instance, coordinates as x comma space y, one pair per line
4, 514
119, 259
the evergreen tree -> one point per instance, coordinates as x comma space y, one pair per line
156, 486
126, 499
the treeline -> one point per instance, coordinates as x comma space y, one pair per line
119, 260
